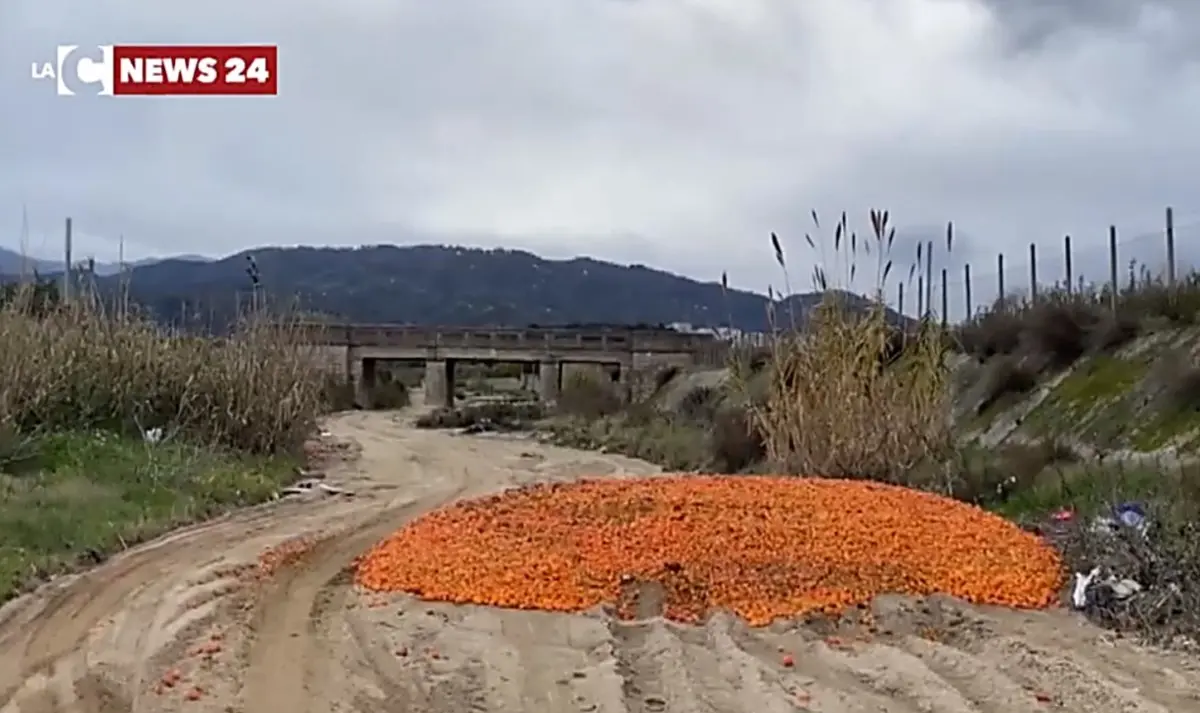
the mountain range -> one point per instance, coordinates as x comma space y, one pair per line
14, 263
435, 285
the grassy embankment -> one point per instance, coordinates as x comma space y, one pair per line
80, 385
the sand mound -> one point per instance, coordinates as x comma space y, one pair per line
762, 547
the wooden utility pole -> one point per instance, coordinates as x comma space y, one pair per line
67, 266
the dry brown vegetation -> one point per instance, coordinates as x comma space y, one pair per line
80, 385
699, 429
79, 365
839, 401
842, 391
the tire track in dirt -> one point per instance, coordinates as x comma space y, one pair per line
649, 660
54, 625
283, 673
62, 624
286, 625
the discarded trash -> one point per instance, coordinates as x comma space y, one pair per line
483, 425
1130, 515
153, 435
1088, 590
1123, 589
310, 486
1063, 516
1082, 582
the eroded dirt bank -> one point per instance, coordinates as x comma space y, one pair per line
192, 622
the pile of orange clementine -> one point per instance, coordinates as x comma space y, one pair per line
763, 547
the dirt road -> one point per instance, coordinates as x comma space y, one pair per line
189, 623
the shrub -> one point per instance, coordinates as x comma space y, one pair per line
1003, 376
993, 332
390, 392
1057, 330
736, 441
991, 477
1182, 388
338, 393
1113, 331
1061, 325
1151, 296
700, 404
508, 415
590, 395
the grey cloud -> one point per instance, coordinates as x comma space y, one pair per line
1033, 25
676, 133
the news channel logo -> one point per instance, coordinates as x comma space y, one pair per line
79, 70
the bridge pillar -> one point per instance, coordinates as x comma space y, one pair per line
549, 381
620, 374
529, 376
439, 383
364, 383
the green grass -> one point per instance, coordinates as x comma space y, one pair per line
1083, 489
672, 443
1099, 402
1102, 378
1092, 402
71, 499
1091, 488
1163, 429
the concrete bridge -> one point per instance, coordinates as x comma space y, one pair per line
355, 349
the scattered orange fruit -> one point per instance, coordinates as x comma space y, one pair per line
284, 554
763, 547
171, 678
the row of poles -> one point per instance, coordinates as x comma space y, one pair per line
925, 280
68, 281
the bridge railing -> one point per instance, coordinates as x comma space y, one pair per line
550, 339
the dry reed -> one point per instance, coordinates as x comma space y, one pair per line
851, 393
79, 365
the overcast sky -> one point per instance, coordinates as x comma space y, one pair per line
676, 133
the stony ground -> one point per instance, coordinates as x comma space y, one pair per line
255, 614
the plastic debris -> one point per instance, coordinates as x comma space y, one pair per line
1131, 515
1124, 588
1063, 515
1089, 590
1125, 515
1082, 582
311, 486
